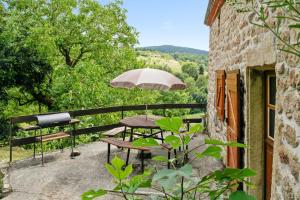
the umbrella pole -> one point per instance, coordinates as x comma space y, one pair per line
146, 111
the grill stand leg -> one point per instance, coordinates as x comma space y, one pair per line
42, 150
34, 145
108, 153
169, 157
142, 160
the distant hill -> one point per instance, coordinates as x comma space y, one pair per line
175, 49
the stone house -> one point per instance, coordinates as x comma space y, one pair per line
254, 98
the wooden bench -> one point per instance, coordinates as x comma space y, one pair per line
115, 131
128, 145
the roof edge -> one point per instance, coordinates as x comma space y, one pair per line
212, 11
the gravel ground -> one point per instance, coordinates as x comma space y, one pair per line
65, 178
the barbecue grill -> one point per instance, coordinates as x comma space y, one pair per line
51, 120
55, 120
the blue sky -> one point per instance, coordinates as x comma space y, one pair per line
172, 22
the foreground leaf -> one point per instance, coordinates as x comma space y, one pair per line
160, 158
145, 142
173, 140
172, 124
214, 151
92, 194
219, 142
240, 195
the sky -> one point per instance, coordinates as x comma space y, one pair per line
169, 22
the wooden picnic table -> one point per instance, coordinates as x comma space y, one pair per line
145, 122
142, 121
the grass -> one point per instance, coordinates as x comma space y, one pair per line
160, 59
18, 153
196, 115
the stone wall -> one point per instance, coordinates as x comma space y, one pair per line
237, 44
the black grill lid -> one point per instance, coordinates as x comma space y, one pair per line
53, 119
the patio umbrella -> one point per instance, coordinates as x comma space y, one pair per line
148, 78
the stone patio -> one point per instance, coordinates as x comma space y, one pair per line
65, 178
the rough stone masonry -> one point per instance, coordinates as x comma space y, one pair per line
235, 43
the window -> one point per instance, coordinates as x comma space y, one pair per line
270, 104
220, 94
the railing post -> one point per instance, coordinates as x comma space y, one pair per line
164, 110
10, 141
122, 112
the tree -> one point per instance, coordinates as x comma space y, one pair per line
69, 32
275, 16
191, 69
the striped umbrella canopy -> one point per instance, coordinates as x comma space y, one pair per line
148, 78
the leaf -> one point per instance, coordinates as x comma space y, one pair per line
186, 171
92, 194
294, 26
198, 128
230, 174
170, 124
186, 140
173, 140
240, 195
164, 173
230, 143
126, 172
214, 141
246, 172
160, 158
214, 151
235, 144
145, 142
167, 178
118, 163
112, 171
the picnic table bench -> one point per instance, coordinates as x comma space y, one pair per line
128, 145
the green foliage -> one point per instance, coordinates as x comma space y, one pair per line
116, 169
191, 69
145, 142
238, 195
92, 194
172, 124
179, 182
214, 151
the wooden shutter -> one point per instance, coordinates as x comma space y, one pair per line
220, 94
233, 118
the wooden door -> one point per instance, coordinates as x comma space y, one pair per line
233, 118
270, 130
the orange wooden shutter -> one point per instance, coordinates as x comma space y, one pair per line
233, 121
220, 94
